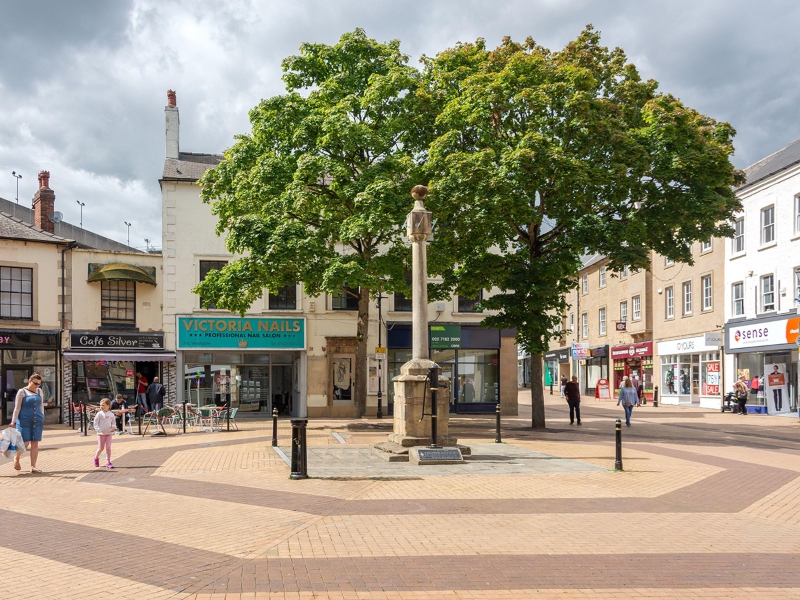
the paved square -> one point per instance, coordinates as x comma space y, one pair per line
708, 506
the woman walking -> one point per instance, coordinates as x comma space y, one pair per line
28, 418
628, 398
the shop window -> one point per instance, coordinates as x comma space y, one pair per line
623, 311
478, 376
469, 305
738, 236
602, 318
206, 266
768, 293
584, 325
346, 300
707, 293
602, 277
401, 302
705, 246
637, 308
669, 299
737, 295
285, 299
687, 298
16, 293
768, 225
797, 214
118, 302
585, 284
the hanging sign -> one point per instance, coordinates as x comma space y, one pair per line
622, 326
580, 351
445, 336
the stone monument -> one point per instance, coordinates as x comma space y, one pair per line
411, 438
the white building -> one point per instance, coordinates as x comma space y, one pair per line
762, 284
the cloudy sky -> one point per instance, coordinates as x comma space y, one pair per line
83, 84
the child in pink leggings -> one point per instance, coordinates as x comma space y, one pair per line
105, 424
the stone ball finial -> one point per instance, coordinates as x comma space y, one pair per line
418, 192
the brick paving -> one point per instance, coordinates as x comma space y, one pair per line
708, 507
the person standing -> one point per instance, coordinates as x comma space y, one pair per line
141, 391
563, 383
629, 398
105, 424
28, 418
573, 393
740, 390
155, 394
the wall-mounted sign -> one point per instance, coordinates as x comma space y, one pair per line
562, 355
243, 333
24, 339
580, 350
770, 333
632, 350
622, 326
116, 341
714, 338
445, 336
686, 345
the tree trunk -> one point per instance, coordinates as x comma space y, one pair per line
537, 393
360, 384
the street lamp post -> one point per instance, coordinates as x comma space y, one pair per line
146, 241
380, 366
17, 177
82, 204
129, 232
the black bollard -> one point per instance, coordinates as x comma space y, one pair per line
433, 375
184, 416
299, 456
497, 438
139, 417
618, 461
274, 427
80, 417
655, 397
85, 420
228, 414
551, 387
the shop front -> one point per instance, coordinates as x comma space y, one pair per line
765, 352
556, 366
101, 364
24, 352
256, 364
636, 362
593, 368
690, 372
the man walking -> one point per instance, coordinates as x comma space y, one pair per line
141, 391
155, 394
573, 393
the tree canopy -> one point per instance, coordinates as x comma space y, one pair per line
543, 156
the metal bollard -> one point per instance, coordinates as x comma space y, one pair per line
274, 427
85, 420
299, 456
184, 416
618, 461
228, 414
551, 387
655, 397
497, 438
80, 417
139, 410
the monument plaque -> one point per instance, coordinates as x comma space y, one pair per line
435, 456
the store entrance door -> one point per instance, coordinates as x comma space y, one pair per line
13, 380
282, 378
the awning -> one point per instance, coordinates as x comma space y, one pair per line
121, 272
131, 356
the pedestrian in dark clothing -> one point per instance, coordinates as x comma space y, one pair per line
155, 394
573, 393
119, 403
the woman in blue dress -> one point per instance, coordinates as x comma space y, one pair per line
28, 418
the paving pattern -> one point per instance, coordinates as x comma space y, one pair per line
708, 507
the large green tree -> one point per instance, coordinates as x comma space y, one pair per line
543, 156
318, 190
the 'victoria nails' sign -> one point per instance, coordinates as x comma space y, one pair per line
116, 341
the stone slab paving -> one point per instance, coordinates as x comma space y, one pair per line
708, 507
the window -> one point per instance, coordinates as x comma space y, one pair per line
637, 308
602, 277
623, 311
584, 325
572, 321
206, 266
768, 225
346, 300
585, 284
738, 236
16, 293
706, 285
668, 262
670, 302
768, 293
602, 316
687, 298
797, 284
285, 299
737, 294
624, 274
705, 246
797, 214
401, 302
469, 305
118, 302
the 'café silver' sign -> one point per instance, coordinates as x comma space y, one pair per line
116, 341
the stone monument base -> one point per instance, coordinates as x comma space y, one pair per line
398, 452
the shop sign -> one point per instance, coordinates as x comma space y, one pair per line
632, 350
116, 341
599, 351
771, 333
561, 356
602, 389
445, 336
714, 338
581, 350
245, 333
622, 326
712, 378
129, 373
20, 339
380, 353
686, 345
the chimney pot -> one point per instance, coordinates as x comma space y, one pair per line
44, 179
44, 203
172, 99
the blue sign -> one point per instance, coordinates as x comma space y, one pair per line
243, 333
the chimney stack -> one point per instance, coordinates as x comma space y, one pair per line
173, 123
44, 202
